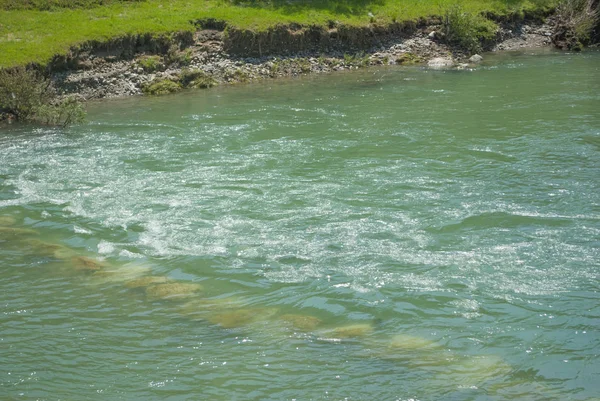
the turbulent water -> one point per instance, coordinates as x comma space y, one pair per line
386, 234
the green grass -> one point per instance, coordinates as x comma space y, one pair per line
36, 30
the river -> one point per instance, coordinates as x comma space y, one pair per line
384, 234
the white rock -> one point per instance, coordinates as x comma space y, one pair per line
475, 58
440, 62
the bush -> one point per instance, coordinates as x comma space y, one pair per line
161, 87
174, 56
62, 112
408, 58
575, 24
466, 30
196, 79
29, 96
150, 63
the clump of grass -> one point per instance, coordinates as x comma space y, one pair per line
466, 29
304, 65
175, 56
357, 60
150, 63
196, 79
161, 86
577, 20
408, 58
240, 75
27, 95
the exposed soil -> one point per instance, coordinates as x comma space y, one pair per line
108, 70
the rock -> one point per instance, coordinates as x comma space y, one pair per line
172, 290
84, 263
241, 317
440, 62
7, 221
198, 309
406, 342
7, 233
48, 249
475, 58
472, 372
146, 281
432, 35
123, 273
351, 331
301, 322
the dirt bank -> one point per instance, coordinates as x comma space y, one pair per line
125, 66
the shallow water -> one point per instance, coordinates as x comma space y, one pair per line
387, 234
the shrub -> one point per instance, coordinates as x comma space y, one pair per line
29, 96
576, 22
23, 91
62, 112
196, 79
174, 56
241, 75
161, 87
304, 65
408, 58
150, 63
467, 30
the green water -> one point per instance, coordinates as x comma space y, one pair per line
437, 232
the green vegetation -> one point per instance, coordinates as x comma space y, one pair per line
408, 58
196, 79
55, 4
357, 60
161, 87
27, 95
150, 63
36, 30
577, 20
189, 78
467, 30
181, 58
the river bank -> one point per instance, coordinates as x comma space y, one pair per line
132, 66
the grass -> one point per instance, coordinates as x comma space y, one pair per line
36, 30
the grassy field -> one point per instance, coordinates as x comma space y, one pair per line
36, 30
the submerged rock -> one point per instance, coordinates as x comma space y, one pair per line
124, 273
7, 221
301, 322
200, 309
411, 343
48, 249
473, 371
172, 290
146, 281
84, 263
351, 331
8, 233
230, 319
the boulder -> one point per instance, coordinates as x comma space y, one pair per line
475, 58
440, 62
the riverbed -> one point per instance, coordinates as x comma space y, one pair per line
382, 234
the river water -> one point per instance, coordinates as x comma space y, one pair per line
385, 234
